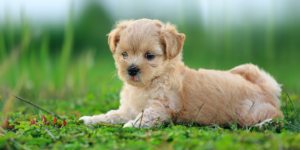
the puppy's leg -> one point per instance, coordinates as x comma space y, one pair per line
260, 114
121, 115
258, 76
156, 114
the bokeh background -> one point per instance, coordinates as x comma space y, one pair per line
58, 49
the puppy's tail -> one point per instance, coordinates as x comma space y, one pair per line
258, 76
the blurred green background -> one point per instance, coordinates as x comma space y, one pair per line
62, 52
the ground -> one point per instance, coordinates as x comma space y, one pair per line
28, 130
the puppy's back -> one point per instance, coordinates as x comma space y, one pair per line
222, 94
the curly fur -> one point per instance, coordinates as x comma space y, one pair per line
167, 89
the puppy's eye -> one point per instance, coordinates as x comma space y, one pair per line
149, 56
124, 55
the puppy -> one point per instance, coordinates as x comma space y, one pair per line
158, 87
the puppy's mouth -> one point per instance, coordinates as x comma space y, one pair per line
135, 79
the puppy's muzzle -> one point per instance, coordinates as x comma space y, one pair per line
133, 70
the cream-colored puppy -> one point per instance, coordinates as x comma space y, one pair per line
147, 54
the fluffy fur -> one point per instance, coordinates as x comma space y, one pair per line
166, 89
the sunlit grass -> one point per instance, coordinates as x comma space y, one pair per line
66, 70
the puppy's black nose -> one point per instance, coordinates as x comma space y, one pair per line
133, 70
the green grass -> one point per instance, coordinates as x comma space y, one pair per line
76, 135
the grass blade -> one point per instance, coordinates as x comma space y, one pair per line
141, 119
289, 99
197, 113
24, 100
48, 131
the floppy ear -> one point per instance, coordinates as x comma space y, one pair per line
114, 35
173, 40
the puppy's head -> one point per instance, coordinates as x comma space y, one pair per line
144, 49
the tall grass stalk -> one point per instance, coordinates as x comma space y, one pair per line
10, 101
67, 69
2, 46
66, 49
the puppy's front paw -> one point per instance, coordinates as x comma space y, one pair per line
134, 124
130, 123
87, 120
260, 125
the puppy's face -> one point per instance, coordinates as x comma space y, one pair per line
139, 62
143, 49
